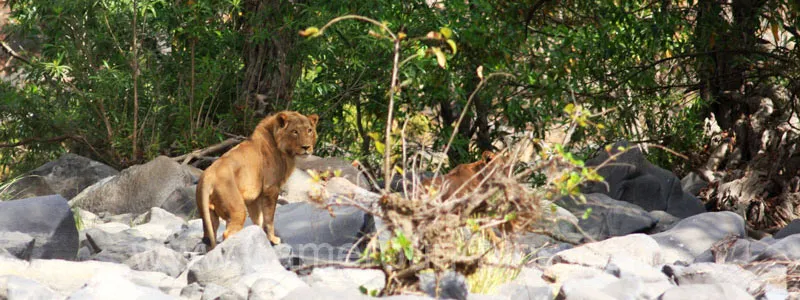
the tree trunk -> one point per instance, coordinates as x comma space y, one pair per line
270, 68
755, 161
449, 117
482, 108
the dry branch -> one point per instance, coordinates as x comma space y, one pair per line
13, 53
213, 149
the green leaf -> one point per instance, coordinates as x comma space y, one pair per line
421, 53
586, 213
446, 32
380, 147
569, 109
404, 243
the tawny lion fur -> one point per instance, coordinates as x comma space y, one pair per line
249, 177
462, 180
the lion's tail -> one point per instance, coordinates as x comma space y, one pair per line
203, 198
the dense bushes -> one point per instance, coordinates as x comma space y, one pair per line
633, 64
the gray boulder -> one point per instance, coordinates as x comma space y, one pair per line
193, 291
214, 292
404, 183
158, 224
694, 235
158, 259
188, 238
792, 228
608, 217
324, 293
706, 291
741, 251
298, 187
71, 173
279, 281
514, 291
300, 183
271, 288
410, 297
314, 235
649, 280
48, 220
246, 252
110, 227
182, 203
346, 279
136, 189
638, 247
332, 164
117, 247
126, 218
560, 222
66, 277
711, 273
693, 183
594, 288
18, 244
540, 248
14, 287
664, 221
528, 285
787, 248
452, 285
560, 273
633, 179
27, 187
114, 286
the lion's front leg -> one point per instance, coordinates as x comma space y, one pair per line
268, 206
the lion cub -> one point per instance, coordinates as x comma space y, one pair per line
464, 175
248, 178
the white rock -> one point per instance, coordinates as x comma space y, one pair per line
114, 286
638, 247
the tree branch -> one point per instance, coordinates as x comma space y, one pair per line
13, 53
184, 159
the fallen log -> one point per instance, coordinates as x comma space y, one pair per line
210, 150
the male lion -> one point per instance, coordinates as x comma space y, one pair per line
248, 178
464, 175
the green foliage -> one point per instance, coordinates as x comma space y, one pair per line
80, 76
635, 63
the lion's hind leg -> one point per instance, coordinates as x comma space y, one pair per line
214, 223
233, 207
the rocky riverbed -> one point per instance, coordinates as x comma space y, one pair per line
81, 230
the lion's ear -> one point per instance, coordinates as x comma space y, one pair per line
314, 118
283, 119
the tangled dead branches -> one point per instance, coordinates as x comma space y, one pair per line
424, 231
435, 227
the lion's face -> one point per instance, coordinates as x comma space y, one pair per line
296, 134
